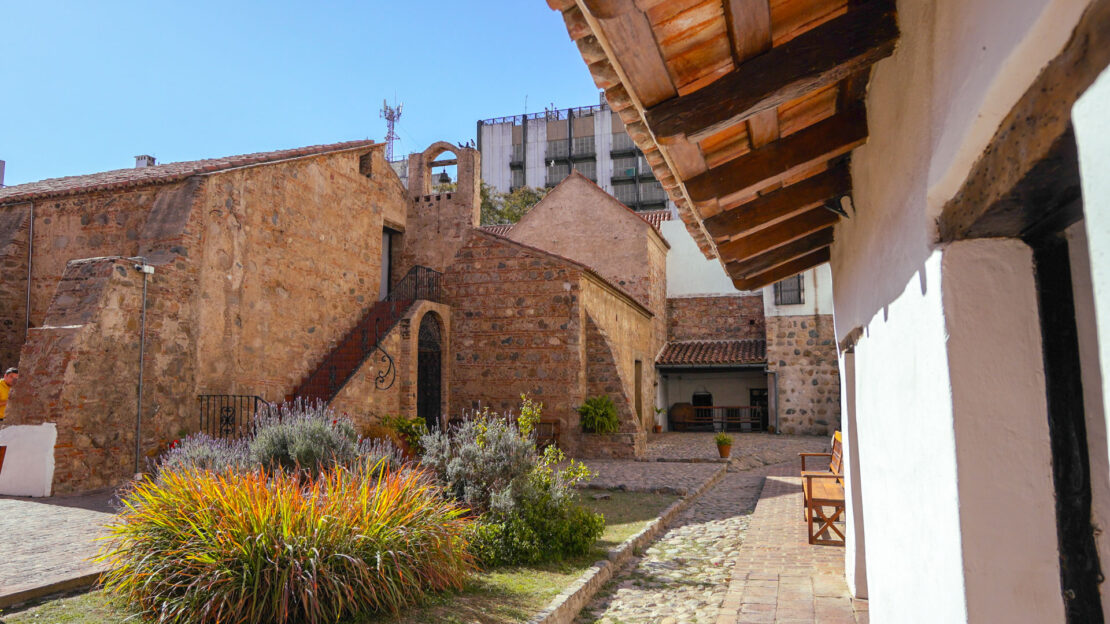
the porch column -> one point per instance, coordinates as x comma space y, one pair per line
1003, 454
855, 557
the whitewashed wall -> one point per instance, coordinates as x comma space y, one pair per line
959, 67
817, 295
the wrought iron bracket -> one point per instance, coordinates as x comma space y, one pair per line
387, 371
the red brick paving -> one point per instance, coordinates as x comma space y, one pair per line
778, 576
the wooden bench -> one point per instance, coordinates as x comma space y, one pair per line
547, 433
821, 489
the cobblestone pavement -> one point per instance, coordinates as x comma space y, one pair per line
49, 540
749, 450
683, 577
636, 475
722, 563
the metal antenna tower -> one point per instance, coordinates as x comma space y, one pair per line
390, 114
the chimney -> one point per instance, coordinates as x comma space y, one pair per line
1, 174
144, 161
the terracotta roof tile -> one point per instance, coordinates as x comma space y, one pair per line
713, 352
159, 174
654, 218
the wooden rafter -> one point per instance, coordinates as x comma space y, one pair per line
777, 235
783, 271
780, 205
776, 257
820, 57
782, 159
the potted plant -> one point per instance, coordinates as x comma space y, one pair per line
659, 411
724, 444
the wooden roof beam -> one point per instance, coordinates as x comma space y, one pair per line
784, 271
766, 261
777, 235
777, 206
820, 57
782, 159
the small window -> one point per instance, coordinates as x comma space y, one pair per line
790, 291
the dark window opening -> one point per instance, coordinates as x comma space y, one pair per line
790, 291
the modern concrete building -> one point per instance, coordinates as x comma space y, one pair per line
541, 149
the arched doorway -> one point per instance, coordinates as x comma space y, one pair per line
429, 373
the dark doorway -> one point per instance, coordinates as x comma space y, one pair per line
429, 373
758, 398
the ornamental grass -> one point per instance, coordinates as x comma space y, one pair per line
274, 547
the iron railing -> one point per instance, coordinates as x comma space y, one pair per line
230, 415
364, 339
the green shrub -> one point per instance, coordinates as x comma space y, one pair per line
722, 439
599, 415
528, 503
258, 547
309, 437
411, 430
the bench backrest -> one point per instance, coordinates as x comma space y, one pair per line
837, 454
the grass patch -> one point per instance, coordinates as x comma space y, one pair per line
498, 597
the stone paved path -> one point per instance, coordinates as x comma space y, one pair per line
46, 541
749, 450
722, 563
684, 575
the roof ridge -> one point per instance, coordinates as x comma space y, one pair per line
163, 173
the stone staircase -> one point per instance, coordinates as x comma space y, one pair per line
361, 341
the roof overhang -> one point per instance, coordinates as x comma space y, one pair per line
747, 111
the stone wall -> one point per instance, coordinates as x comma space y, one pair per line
13, 284
291, 259
603, 379
79, 369
516, 329
364, 403
438, 223
802, 351
730, 317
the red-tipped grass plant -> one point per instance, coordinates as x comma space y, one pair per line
253, 547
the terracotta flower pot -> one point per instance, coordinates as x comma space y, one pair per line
657, 429
724, 450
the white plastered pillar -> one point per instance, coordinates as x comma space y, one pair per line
855, 552
1003, 455
1091, 121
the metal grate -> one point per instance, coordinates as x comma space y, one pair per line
230, 415
790, 291
583, 146
622, 142
556, 173
516, 154
559, 148
587, 168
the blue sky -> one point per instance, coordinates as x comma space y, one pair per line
85, 86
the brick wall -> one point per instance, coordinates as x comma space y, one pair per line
802, 351
516, 329
438, 224
732, 317
604, 379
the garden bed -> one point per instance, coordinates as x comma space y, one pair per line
500, 596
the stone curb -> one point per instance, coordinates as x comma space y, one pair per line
57, 587
564, 607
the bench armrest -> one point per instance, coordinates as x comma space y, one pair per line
803, 457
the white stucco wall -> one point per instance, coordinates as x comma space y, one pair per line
907, 456
728, 388
1003, 454
817, 295
855, 539
959, 67
29, 460
688, 272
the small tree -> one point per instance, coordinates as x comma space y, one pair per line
498, 208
